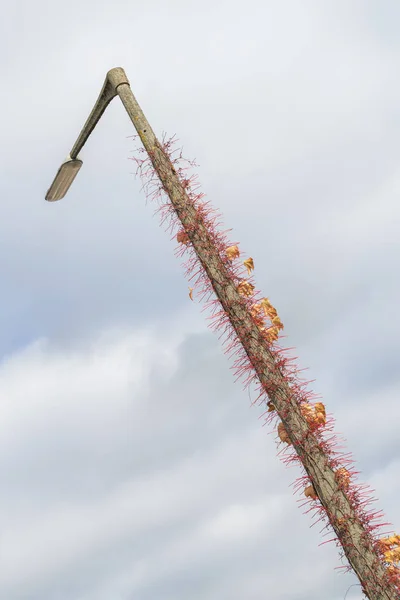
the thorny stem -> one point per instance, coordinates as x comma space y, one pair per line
351, 532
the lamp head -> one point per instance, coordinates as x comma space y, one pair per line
64, 178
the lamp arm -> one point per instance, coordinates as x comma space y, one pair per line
114, 78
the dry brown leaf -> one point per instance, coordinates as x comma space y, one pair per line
249, 264
394, 573
395, 539
392, 556
307, 411
182, 237
258, 318
320, 414
388, 542
342, 476
268, 309
191, 293
277, 322
271, 407
255, 310
259, 321
310, 492
272, 334
245, 288
232, 252
265, 303
315, 415
283, 435
319, 420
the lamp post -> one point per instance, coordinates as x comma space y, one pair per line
340, 508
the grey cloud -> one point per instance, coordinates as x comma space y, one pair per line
146, 472
177, 415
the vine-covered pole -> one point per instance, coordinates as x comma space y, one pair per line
237, 310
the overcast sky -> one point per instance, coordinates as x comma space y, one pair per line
132, 466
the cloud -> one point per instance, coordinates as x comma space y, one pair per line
133, 464
321, 141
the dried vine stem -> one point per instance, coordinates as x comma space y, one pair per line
262, 360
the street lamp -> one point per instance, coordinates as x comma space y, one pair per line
116, 83
215, 273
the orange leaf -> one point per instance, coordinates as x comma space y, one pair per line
182, 237
259, 321
307, 411
232, 252
191, 293
315, 415
320, 408
342, 476
268, 309
310, 492
255, 310
388, 542
265, 304
277, 322
272, 334
283, 435
245, 288
271, 407
249, 264
394, 573
392, 556
257, 316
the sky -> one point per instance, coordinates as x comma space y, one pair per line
132, 465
